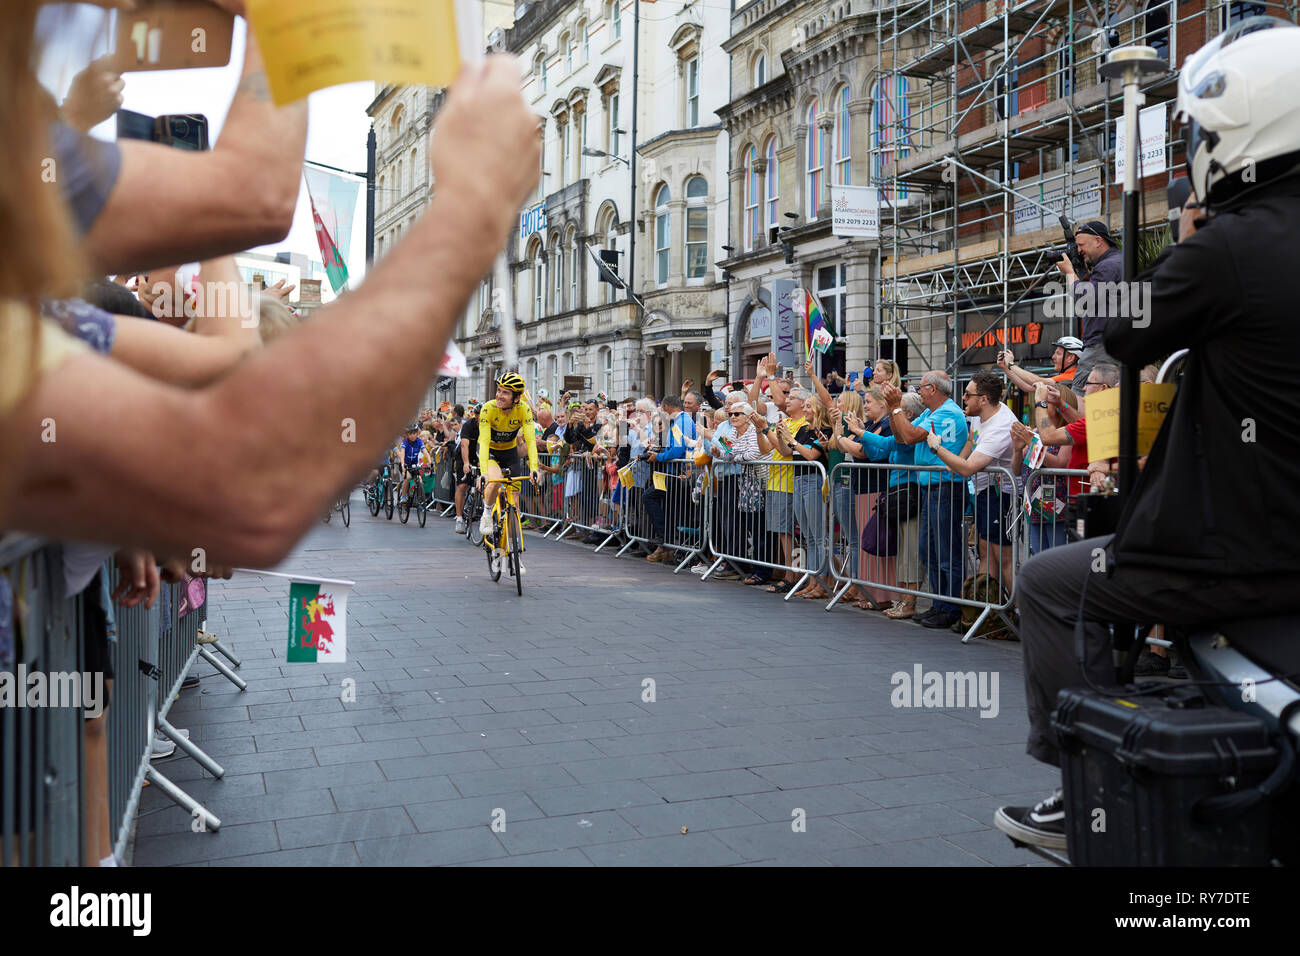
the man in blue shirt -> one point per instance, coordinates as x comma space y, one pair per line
943, 499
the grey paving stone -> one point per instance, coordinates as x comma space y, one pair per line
928, 852
392, 793
436, 765
910, 791
814, 801
562, 752
621, 768
716, 783
432, 849
320, 778
730, 758
528, 779
552, 858
668, 819
814, 773
909, 823
381, 750
189, 847
343, 827
464, 812
691, 849
300, 739
594, 797
563, 832
429, 727
779, 840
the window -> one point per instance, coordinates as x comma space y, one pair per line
1238, 11
760, 70
586, 43
400, 181
379, 248
381, 197
890, 135
531, 377
553, 379
539, 281
662, 236
693, 93
567, 43
541, 170
607, 371
697, 227
573, 268
557, 270
611, 133
414, 177
1008, 90
816, 160
582, 144
606, 237
565, 157
832, 289
570, 365
615, 19
773, 191
541, 72
1066, 71
751, 199
842, 138
1156, 26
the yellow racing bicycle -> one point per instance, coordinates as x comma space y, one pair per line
506, 543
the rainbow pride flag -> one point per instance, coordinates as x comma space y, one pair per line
817, 337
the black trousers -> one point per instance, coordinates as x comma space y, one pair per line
1056, 583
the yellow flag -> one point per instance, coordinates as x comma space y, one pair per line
1101, 410
661, 481
311, 44
625, 476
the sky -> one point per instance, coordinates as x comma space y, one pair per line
337, 127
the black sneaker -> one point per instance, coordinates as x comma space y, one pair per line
922, 618
1042, 825
1150, 665
190, 682
1178, 672
941, 619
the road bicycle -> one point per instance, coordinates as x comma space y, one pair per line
506, 544
415, 498
473, 510
344, 507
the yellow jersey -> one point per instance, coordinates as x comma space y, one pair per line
499, 431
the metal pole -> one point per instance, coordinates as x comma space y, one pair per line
370, 197
631, 165
1130, 64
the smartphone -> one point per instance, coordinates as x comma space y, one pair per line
178, 130
172, 35
853, 377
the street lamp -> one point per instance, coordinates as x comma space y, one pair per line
600, 153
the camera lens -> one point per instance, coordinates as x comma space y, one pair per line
180, 128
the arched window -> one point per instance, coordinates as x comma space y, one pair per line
697, 227
752, 194
414, 177
531, 376
557, 270
539, 279
566, 42
539, 72
586, 42
400, 182
379, 248
570, 365
1065, 70
606, 237
842, 137
663, 235
760, 69
572, 243
553, 379
890, 133
381, 200
565, 156
816, 159
773, 190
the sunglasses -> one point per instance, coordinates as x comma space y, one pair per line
735, 414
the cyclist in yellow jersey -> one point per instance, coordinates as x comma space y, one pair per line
499, 424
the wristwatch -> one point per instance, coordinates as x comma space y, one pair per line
1042, 405
898, 409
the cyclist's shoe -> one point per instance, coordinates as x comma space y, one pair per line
522, 572
498, 556
460, 525
485, 524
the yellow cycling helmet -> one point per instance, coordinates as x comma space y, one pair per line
512, 381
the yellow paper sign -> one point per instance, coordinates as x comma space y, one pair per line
311, 44
625, 476
1102, 413
661, 481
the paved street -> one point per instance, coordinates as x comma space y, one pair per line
474, 706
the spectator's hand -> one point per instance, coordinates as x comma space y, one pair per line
686, 385
1005, 358
836, 415
233, 6
95, 95
1187, 219
860, 385
1040, 391
714, 376
652, 456
138, 578
1053, 396
280, 292
808, 367
934, 441
1021, 436
1066, 267
893, 396
173, 571
535, 477
856, 423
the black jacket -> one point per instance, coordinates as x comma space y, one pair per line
1090, 303
1220, 493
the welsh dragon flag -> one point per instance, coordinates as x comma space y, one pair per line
318, 621
333, 203
819, 338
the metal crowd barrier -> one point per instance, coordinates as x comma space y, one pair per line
587, 497
545, 504
42, 805
1046, 507
444, 479
668, 508
787, 531
941, 533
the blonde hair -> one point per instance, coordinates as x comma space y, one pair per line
814, 412
851, 402
892, 376
273, 319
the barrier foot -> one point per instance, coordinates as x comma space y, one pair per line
208, 764
798, 586
690, 556
839, 594
221, 648
547, 532
447, 510
1015, 628
607, 540
712, 567
565, 530
970, 634
225, 671
183, 799
631, 543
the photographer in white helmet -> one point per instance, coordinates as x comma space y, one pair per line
1209, 526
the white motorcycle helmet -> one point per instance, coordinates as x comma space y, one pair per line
1237, 96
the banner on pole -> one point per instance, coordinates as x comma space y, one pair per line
784, 324
333, 204
1151, 138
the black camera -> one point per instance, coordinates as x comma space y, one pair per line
1071, 249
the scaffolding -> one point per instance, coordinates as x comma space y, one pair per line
995, 120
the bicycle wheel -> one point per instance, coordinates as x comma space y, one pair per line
389, 494
422, 508
404, 507
328, 515
516, 549
473, 514
494, 566
372, 499
346, 511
